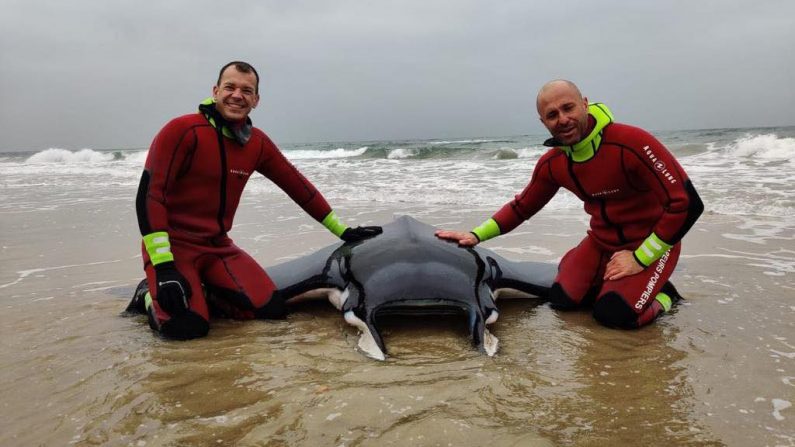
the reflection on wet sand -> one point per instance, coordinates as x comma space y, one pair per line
559, 379
585, 384
716, 372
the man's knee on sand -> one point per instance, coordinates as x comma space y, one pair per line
191, 325
559, 299
610, 309
186, 326
180, 327
239, 305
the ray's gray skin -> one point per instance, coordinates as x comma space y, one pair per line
408, 270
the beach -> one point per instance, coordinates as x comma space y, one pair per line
718, 370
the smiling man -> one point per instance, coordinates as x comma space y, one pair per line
640, 200
194, 175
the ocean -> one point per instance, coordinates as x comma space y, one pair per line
741, 172
719, 370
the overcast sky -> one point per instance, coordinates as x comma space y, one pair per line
109, 74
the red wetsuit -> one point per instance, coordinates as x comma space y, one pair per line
631, 186
191, 188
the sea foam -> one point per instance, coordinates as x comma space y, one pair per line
399, 154
768, 147
63, 156
335, 153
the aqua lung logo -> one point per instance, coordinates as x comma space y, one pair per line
659, 165
240, 173
646, 295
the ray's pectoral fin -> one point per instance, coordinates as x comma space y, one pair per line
370, 341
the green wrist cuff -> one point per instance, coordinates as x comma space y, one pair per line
158, 247
332, 222
651, 250
487, 230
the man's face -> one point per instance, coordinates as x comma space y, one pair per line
235, 95
564, 113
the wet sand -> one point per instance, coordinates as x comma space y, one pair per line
719, 370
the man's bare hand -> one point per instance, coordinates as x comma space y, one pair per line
621, 264
464, 238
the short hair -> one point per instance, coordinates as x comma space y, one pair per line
243, 67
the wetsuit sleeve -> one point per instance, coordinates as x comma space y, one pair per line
656, 168
167, 156
536, 194
275, 166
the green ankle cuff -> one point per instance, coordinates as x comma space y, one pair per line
664, 300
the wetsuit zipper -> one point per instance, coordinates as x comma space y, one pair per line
222, 201
619, 231
602, 203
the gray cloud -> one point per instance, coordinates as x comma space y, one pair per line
110, 74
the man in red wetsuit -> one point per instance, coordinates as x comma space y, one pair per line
195, 173
640, 200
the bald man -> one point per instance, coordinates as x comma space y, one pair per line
640, 200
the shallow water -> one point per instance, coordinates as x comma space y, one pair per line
719, 370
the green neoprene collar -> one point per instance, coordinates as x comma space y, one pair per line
586, 149
241, 134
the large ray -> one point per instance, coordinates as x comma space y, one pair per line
407, 271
